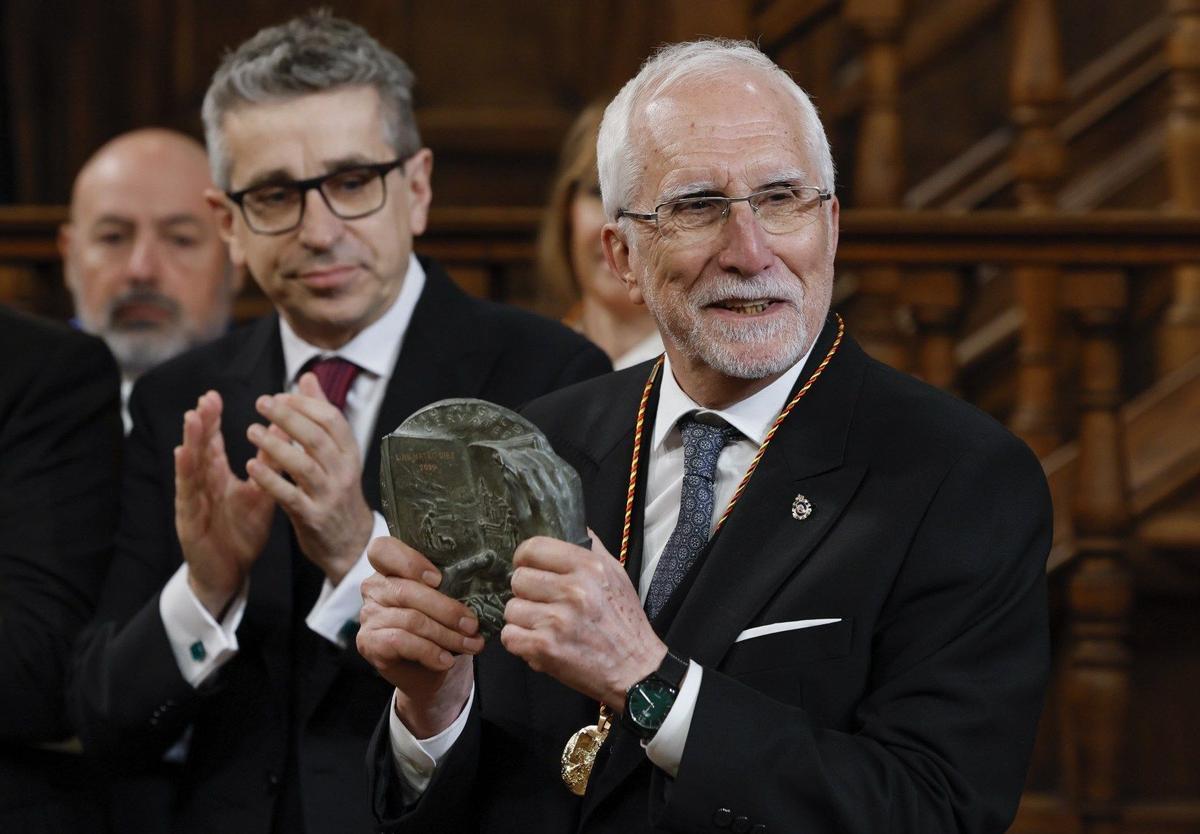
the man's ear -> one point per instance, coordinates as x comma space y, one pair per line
418, 182
835, 214
222, 211
616, 252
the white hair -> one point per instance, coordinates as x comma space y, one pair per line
619, 159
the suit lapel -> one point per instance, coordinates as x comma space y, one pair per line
434, 364
256, 370
610, 485
761, 544
259, 369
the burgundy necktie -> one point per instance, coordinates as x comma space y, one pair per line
336, 375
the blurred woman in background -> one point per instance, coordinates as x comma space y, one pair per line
571, 258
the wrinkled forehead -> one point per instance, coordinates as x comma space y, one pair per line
305, 135
740, 132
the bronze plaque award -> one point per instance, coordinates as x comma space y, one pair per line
464, 482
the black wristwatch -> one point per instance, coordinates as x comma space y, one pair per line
649, 700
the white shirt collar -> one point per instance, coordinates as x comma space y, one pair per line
752, 416
376, 347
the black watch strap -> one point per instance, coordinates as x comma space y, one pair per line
649, 700
672, 669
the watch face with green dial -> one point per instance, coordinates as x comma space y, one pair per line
649, 702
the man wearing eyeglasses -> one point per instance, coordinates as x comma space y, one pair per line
234, 597
814, 601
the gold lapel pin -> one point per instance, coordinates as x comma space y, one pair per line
801, 508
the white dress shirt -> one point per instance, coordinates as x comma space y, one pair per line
187, 622
416, 759
126, 390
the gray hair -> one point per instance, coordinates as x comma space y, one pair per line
619, 159
309, 54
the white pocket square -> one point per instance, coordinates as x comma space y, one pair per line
775, 628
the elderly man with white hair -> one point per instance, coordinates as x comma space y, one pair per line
814, 600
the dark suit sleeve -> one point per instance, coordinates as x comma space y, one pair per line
128, 698
943, 733
449, 803
59, 447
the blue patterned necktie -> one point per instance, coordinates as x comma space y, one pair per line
702, 445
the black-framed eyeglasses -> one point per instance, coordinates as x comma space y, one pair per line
780, 210
275, 208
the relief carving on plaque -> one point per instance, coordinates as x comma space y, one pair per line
465, 481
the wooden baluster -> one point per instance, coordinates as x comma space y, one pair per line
879, 171
936, 299
1037, 91
879, 163
1100, 587
1179, 337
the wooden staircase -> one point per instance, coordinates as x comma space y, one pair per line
1122, 130
1021, 224
1093, 358
1161, 432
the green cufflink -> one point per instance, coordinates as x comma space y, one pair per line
348, 631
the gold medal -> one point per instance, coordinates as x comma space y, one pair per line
579, 755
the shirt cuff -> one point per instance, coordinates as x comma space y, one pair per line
200, 644
416, 759
334, 615
666, 748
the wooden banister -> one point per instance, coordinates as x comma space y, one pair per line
868, 236
935, 297
1100, 590
1037, 93
879, 171
1179, 337
1130, 238
928, 37
1162, 449
1093, 94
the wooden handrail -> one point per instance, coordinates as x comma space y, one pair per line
1130, 238
28, 233
868, 236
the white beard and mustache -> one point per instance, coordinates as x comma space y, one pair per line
139, 346
728, 346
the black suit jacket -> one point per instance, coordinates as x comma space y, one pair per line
60, 436
914, 713
288, 691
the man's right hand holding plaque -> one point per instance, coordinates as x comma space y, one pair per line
473, 493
